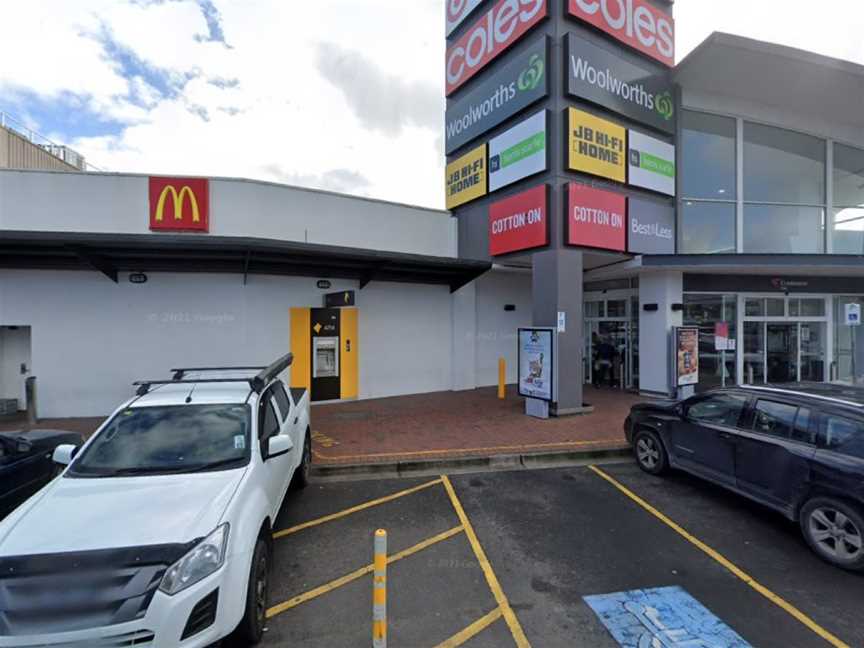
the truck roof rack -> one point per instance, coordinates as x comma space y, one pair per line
257, 383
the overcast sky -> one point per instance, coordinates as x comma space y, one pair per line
345, 95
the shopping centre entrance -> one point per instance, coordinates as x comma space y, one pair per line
612, 320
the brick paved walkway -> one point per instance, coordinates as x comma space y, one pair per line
457, 424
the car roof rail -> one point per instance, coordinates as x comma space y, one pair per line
257, 383
179, 372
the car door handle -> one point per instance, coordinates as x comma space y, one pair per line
296, 420
726, 436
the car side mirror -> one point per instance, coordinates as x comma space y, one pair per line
63, 454
277, 445
23, 446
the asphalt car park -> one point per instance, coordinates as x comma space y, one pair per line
508, 558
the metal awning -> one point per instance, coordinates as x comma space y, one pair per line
113, 253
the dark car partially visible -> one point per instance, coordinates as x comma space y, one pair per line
26, 463
798, 449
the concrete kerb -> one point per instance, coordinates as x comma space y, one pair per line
459, 465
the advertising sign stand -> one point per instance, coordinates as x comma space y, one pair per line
537, 365
685, 360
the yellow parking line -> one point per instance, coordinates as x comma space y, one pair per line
494, 585
740, 573
460, 451
354, 509
475, 628
359, 573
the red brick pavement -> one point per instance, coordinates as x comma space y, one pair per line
459, 424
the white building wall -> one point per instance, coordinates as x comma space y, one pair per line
92, 338
496, 328
655, 328
118, 203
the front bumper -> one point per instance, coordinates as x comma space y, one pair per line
163, 624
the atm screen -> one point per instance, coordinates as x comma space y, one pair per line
326, 357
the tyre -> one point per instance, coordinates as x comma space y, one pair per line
301, 475
650, 453
835, 531
251, 628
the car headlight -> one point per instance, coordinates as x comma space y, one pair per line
202, 560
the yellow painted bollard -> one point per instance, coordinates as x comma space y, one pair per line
379, 591
502, 377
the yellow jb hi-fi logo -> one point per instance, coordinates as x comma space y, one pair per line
179, 204
596, 146
466, 177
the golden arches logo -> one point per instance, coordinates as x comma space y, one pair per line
178, 199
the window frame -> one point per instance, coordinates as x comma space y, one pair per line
821, 440
740, 424
776, 401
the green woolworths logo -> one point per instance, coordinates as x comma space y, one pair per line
664, 105
532, 75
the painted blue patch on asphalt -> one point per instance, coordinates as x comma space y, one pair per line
665, 617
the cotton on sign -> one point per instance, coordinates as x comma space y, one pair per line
518, 222
596, 218
497, 29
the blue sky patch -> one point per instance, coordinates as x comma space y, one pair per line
665, 617
63, 117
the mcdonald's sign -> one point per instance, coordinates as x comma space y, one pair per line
180, 204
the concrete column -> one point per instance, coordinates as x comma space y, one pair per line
556, 287
655, 329
464, 339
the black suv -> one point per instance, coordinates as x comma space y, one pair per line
796, 448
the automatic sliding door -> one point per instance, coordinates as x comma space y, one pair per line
812, 335
754, 353
782, 352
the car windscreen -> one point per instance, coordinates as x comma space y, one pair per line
164, 440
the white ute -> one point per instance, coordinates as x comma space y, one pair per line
157, 533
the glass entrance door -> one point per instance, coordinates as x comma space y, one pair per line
608, 354
783, 352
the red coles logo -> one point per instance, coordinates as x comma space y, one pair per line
633, 22
180, 204
498, 29
519, 222
596, 218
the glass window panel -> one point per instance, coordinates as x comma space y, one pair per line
775, 229
801, 431
793, 308
775, 307
708, 156
848, 227
843, 435
812, 307
716, 368
783, 166
754, 352
754, 307
720, 409
616, 308
707, 228
776, 419
848, 343
813, 345
848, 176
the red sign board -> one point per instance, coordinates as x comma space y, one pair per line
596, 218
633, 22
519, 222
495, 31
180, 204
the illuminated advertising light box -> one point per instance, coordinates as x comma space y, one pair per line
636, 23
651, 163
519, 152
511, 89
519, 222
596, 146
466, 178
601, 75
596, 218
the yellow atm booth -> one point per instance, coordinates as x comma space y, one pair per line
326, 348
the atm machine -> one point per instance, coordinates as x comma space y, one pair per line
325, 346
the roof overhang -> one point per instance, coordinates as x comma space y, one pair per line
777, 76
113, 253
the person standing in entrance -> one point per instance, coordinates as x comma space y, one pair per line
605, 357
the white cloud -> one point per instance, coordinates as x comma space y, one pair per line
270, 113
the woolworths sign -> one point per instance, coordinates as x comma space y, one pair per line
606, 78
510, 89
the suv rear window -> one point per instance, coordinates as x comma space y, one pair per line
843, 435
